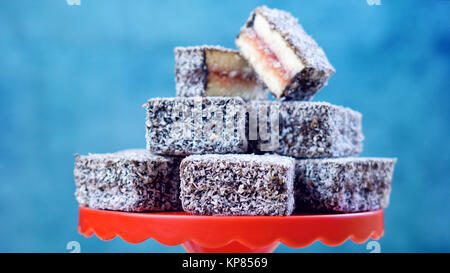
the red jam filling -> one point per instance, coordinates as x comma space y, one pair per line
271, 61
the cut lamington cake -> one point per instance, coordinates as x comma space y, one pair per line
284, 57
215, 71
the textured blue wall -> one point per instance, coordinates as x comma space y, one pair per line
73, 78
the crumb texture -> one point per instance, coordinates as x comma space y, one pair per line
237, 184
343, 184
196, 67
131, 180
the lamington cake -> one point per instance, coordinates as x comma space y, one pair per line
342, 185
237, 184
215, 71
131, 180
283, 56
304, 129
196, 125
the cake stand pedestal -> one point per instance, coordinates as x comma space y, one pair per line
218, 234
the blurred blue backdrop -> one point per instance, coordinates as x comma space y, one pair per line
73, 78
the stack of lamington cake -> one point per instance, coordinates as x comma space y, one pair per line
221, 147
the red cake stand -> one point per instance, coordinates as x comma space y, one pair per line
232, 233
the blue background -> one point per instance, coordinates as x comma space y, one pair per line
73, 78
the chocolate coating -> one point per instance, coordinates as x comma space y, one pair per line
191, 72
317, 69
131, 180
237, 184
343, 184
196, 125
307, 129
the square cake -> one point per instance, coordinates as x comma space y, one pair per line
283, 55
131, 180
304, 129
343, 185
196, 125
215, 71
237, 184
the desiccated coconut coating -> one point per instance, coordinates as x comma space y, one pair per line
343, 184
237, 184
306, 129
131, 180
287, 46
191, 74
212, 70
196, 125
